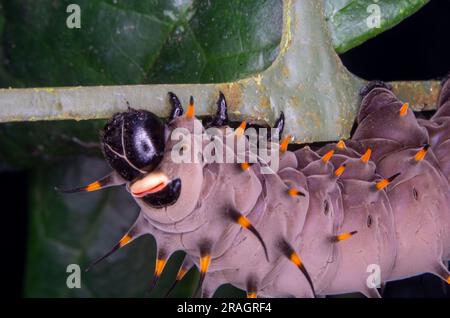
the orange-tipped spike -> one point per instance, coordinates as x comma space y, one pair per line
187, 263
420, 155
448, 279
161, 261
285, 143
340, 144
252, 295
380, 185
181, 273
326, 157
343, 236
290, 253
366, 156
241, 129
339, 171
125, 240
243, 221
294, 192
205, 260
294, 258
404, 109
246, 224
159, 267
252, 287
190, 113
93, 186
245, 166
97, 185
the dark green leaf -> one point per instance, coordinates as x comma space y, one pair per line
139, 41
348, 19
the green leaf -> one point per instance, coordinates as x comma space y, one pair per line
79, 228
139, 41
348, 19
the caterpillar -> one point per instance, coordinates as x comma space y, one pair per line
311, 227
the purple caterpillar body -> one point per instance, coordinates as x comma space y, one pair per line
321, 224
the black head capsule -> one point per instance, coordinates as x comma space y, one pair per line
133, 142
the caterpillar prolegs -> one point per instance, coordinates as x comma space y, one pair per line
314, 226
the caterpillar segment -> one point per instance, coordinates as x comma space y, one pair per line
317, 225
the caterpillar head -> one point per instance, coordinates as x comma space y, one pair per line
162, 193
133, 143
157, 159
